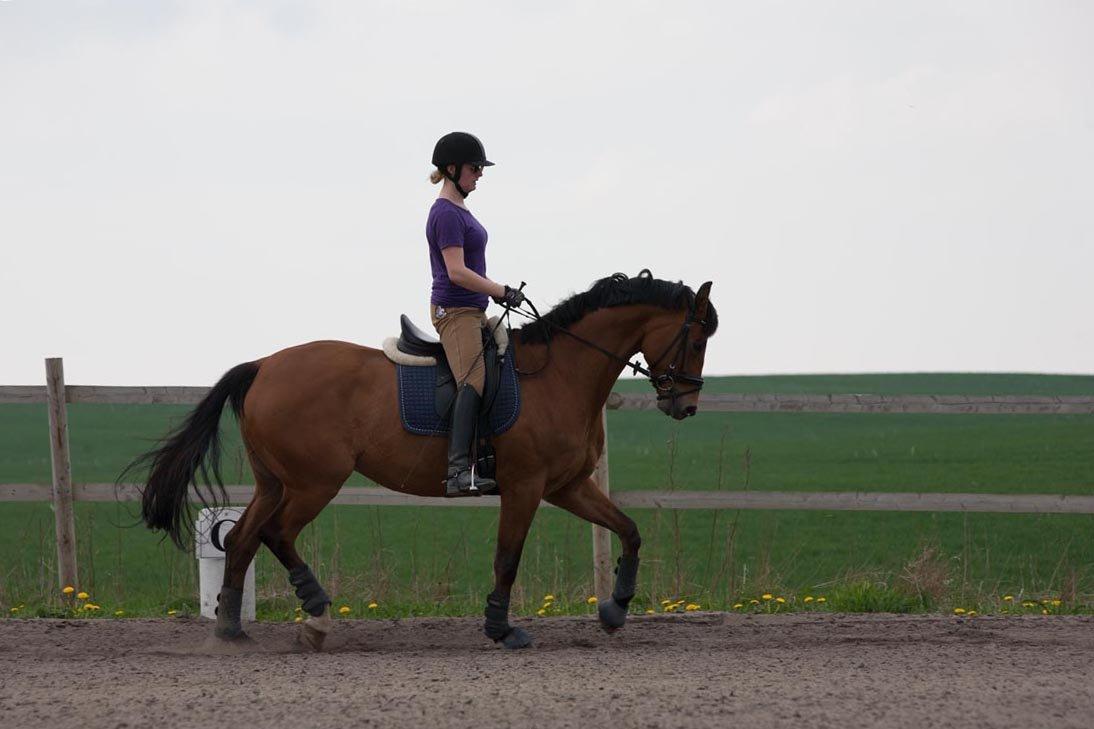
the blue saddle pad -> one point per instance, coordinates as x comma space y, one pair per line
417, 404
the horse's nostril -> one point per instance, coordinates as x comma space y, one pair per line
690, 410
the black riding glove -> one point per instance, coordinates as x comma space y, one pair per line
512, 298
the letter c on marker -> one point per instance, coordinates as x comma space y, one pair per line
214, 535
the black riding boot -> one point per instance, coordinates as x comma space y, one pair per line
465, 415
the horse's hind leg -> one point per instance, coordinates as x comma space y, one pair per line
279, 534
240, 546
583, 498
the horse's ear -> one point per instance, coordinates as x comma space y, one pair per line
702, 297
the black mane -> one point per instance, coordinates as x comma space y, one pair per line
615, 290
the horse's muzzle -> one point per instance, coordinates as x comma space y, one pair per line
677, 412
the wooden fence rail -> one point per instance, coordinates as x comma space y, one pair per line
715, 402
677, 500
62, 492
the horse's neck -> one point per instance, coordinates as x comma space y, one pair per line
582, 375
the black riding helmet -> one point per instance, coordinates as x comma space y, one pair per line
459, 148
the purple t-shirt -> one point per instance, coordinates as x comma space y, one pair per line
450, 225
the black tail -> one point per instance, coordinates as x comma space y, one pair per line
192, 447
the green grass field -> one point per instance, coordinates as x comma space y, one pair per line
438, 561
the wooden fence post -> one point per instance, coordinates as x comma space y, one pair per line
63, 515
602, 538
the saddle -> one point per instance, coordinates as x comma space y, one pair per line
427, 388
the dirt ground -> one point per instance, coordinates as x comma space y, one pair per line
695, 670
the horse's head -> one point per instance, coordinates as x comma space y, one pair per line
675, 347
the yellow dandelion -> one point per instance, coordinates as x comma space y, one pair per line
780, 600
807, 598
737, 606
1045, 601
373, 605
1008, 598
1045, 611
971, 613
649, 612
753, 601
68, 589
344, 610
591, 600
1028, 603
670, 608
300, 610
172, 612
14, 610
119, 613
959, 611
548, 598
766, 596
666, 602
83, 595
541, 612
822, 598
691, 607
298, 619
1055, 603
91, 607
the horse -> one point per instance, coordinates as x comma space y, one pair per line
312, 414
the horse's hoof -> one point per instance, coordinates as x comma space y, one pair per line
311, 638
612, 616
216, 644
226, 637
315, 629
516, 638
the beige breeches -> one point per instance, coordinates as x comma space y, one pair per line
460, 329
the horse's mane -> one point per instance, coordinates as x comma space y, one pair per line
614, 290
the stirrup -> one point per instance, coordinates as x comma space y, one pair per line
474, 486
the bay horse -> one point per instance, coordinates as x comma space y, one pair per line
310, 415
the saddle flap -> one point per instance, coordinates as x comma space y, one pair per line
426, 394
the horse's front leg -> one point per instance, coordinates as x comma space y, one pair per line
583, 498
518, 506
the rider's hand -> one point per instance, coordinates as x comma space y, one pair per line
512, 298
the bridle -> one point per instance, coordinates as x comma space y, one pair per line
664, 383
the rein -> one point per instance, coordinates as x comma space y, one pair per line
664, 383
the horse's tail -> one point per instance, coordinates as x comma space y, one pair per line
192, 447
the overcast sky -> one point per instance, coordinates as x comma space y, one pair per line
872, 186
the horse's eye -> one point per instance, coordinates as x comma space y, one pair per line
699, 346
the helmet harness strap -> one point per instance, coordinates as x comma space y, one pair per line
456, 178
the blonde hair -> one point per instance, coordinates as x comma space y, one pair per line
436, 176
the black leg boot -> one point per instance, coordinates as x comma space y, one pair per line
465, 415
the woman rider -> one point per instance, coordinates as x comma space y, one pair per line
457, 256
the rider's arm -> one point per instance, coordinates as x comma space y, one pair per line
461, 275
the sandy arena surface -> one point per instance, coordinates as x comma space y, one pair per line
695, 670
